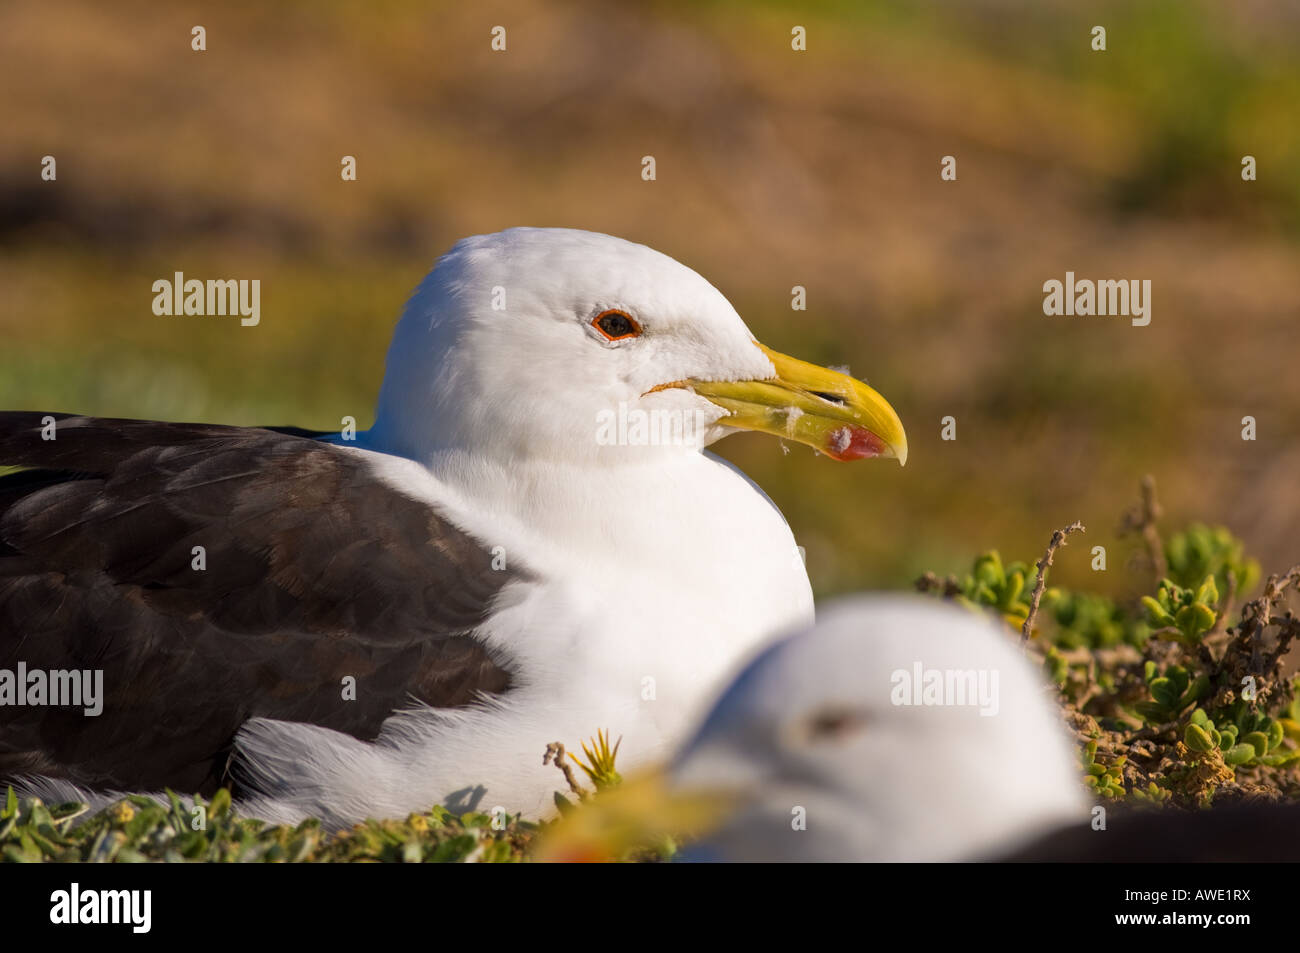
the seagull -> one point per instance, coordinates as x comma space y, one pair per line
897, 728
530, 544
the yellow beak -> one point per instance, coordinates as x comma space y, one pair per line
621, 822
829, 411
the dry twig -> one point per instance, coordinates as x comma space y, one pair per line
1058, 540
555, 755
1142, 519
929, 582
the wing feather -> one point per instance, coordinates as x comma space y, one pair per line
315, 570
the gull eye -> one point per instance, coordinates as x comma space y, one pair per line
616, 325
834, 723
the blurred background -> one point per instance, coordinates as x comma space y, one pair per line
775, 168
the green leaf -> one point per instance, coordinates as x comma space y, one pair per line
1259, 741
1178, 675
1194, 691
1157, 614
1163, 691
1152, 712
1239, 754
563, 804
1208, 593
440, 814
988, 570
1282, 758
1196, 738
1015, 586
1194, 619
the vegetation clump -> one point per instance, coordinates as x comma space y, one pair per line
1171, 705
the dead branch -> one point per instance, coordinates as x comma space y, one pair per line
1249, 653
929, 582
1058, 540
555, 755
1142, 519
1259, 612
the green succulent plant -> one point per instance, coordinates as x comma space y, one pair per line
1183, 614
1087, 620
1171, 693
1243, 736
1105, 780
1081, 619
1201, 735
599, 766
991, 585
1152, 794
1201, 551
139, 828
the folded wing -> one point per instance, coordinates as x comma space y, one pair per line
215, 574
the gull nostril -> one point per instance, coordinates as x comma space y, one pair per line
832, 398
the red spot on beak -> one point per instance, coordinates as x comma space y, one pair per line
853, 443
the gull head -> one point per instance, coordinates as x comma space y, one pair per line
575, 346
894, 729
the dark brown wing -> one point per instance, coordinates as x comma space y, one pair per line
1237, 833
315, 571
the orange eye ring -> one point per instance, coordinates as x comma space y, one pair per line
616, 325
